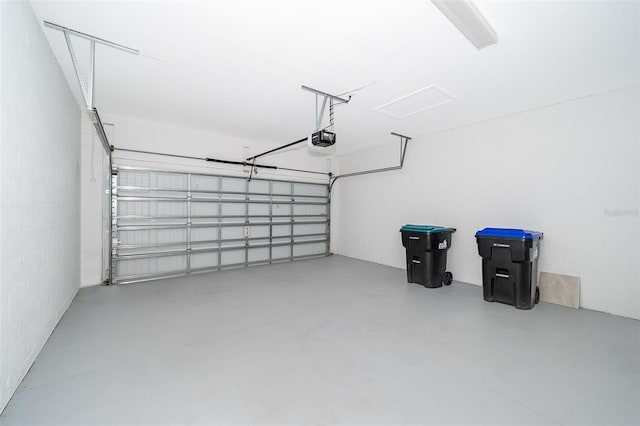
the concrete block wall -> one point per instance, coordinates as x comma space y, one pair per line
39, 193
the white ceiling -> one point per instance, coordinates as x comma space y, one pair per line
236, 66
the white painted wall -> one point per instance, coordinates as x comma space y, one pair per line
39, 193
131, 133
570, 170
162, 137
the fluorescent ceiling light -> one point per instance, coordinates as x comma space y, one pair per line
466, 17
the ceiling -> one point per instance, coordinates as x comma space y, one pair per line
236, 66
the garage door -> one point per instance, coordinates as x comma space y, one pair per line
167, 224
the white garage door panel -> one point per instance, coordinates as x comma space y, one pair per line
172, 223
258, 254
259, 231
309, 209
233, 257
233, 185
308, 229
147, 237
204, 234
151, 266
232, 209
308, 249
281, 253
204, 260
305, 189
259, 209
204, 209
281, 210
153, 208
281, 230
204, 183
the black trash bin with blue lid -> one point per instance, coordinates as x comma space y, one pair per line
510, 265
426, 251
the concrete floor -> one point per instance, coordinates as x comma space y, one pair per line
326, 341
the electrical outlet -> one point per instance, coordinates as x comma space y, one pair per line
246, 231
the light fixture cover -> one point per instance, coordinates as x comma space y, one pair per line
466, 17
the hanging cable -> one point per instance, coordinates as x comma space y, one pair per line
331, 114
215, 160
278, 149
252, 170
349, 92
93, 144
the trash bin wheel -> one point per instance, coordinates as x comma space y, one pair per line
448, 278
537, 299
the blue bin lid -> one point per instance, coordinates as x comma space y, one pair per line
427, 229
520, 234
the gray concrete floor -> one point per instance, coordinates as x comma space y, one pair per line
326, 341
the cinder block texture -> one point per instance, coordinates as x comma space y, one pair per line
39, 193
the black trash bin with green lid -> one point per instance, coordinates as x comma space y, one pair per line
426, 250
510, 265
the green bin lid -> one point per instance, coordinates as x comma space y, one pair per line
427, 229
